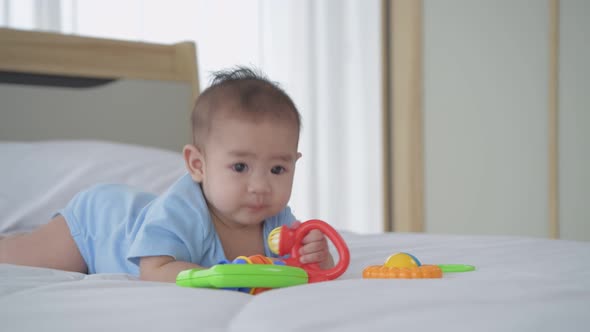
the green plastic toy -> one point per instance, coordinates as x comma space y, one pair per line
243, 275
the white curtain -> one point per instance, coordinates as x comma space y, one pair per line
325, 54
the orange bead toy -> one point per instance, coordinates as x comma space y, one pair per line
402, 266
389, 272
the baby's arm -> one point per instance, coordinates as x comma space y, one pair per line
162, 268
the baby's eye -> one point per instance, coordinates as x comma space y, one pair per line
277, 170
239, 167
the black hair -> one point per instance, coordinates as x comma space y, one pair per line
248, 89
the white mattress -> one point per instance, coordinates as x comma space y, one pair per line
521, 284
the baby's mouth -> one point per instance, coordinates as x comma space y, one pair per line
256, 207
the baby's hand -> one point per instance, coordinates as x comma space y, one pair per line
315, 249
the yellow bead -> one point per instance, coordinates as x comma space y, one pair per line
402, 260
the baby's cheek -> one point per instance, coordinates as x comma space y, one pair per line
282, 191
222, 200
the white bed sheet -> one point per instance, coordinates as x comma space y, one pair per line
521, 284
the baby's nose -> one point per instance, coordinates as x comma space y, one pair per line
259, 184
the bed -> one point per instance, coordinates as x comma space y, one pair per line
520, 283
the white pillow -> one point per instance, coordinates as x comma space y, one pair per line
38, 178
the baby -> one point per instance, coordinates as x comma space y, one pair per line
240, 171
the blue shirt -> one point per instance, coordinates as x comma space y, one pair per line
115, 225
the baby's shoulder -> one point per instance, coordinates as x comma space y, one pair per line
181, 206
184, 194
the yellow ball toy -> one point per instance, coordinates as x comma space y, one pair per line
402, 259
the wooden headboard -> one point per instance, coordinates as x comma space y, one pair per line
56, 86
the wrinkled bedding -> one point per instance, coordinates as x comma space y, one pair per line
520, 284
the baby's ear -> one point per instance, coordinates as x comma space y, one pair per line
193, 159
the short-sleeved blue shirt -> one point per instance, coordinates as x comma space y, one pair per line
114, 225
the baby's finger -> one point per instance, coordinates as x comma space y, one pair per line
316, 257
313, 236
313, 247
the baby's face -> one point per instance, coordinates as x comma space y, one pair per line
249, 168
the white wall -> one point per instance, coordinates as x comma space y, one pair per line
574, 120
486, 87
485, 106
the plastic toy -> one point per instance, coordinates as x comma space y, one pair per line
284, 240
255, 274
402, 260
406, 266
389, 272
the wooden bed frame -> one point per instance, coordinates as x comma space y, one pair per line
34, 54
